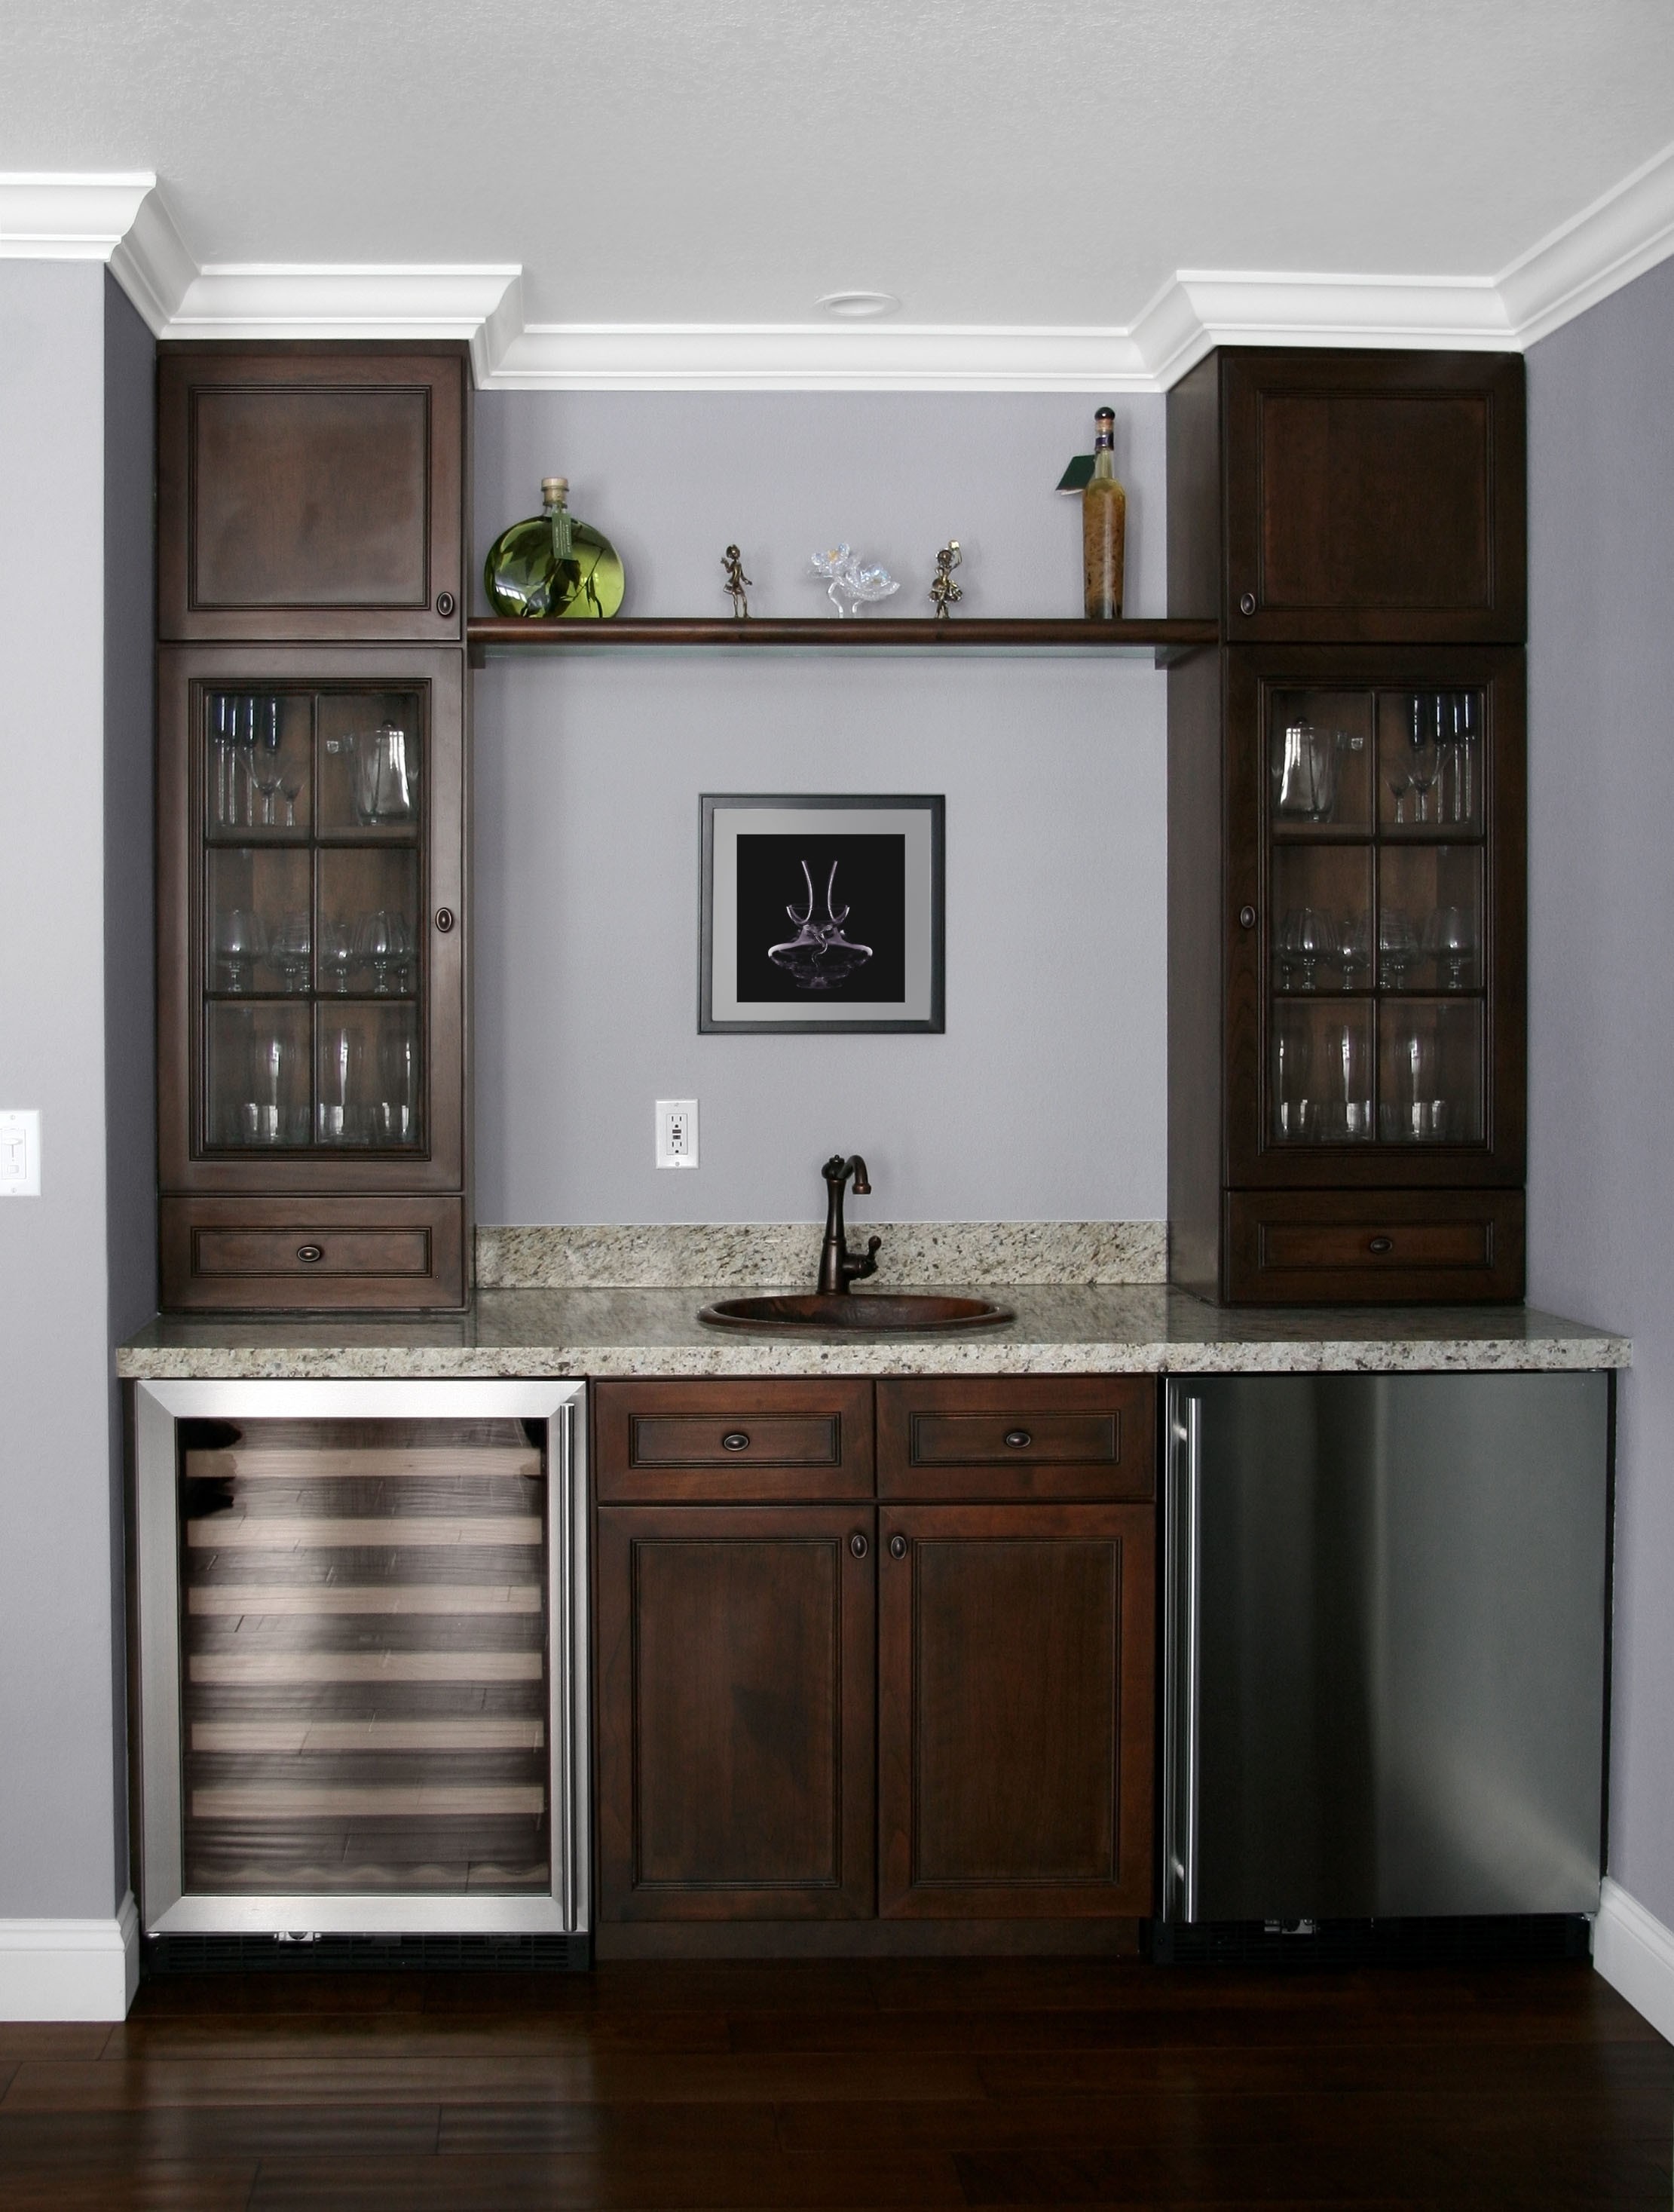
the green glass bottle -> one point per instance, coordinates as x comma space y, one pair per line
554, 564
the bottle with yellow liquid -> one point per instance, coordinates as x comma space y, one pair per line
1104, 519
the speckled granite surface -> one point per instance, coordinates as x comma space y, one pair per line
786, 1254
1058, 1330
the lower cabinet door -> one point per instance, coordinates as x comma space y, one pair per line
1015, 1723
737, 1689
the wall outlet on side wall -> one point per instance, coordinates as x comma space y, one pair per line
20, 1153
676, 1132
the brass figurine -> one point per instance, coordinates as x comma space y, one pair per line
732, 560
945, 592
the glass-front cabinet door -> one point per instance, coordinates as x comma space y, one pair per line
1377, 940
310, 968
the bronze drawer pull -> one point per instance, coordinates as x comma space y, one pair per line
311, 1254
444, 919
735, 1440
1381, 1244
857, 1545
898, 1548
1019, 1439
445, 604
1247, 603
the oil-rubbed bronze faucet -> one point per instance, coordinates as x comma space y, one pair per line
839, 1266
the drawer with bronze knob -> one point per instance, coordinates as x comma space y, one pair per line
1015, 1436
720, 1442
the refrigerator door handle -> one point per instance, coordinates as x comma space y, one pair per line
1182, 1701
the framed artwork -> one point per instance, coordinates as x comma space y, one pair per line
820, 913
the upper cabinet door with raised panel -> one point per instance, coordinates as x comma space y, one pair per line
311, 493
1374, 496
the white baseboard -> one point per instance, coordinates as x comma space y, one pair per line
69, 1969
1634, 1953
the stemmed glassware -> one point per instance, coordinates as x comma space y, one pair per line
1398, 776
291, 948
1426, 762
241, 944
1397, 945
290, 788
1450, 938
338, 952
1354, 948
386, 942
267, 769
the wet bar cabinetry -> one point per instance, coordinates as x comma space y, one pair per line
1347, 839
875, 1652
312, 827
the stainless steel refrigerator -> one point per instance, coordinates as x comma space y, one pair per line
1386, 1618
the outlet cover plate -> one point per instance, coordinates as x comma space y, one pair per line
676, 1132
20, 1153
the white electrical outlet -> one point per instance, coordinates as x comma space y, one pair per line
19, 1153
676, 1132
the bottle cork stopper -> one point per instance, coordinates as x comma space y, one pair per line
1105, 414
555, 488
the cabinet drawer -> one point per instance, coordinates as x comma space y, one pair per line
722, 1442
1382, 1247
316, 1256
1046, 1436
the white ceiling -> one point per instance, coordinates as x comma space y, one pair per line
718, 164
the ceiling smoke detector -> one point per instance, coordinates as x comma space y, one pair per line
857, 307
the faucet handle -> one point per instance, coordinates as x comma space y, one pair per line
856, 1265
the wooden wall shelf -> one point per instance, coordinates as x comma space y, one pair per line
1167, 641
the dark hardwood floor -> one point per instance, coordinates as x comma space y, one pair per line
924, 2082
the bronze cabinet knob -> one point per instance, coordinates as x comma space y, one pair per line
736, 1440
445, 603
1019, 1439
1381, 1244
311, 1254
857, 1545
444, 919
898, 1548
1247, 917
1247, 603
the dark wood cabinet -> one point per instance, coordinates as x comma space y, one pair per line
1317, 495
312, 1049
1016, 1688
737, 1661
310, 492
1004, 1648
1347, 841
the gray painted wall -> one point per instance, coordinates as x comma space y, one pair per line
59, 1749
1601, 996
131, 1085
1045, 1099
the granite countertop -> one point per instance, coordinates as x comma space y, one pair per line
1059, 1329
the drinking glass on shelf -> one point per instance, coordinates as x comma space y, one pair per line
387, 942
290, 790
1425, 759
1398, 777
227, 804
240, 943
1316, 940
342, 1113
267, 768
244, 735
1285, 945
1418, 1113
395, 1116
1350, 1114
1293, 1107
1450, 938
291, 948
1354, 948
268, 1065
1465, 741
338, 953
1397, 946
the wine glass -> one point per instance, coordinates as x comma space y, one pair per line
1426, 758
338, 952
1316, 940
240, 943
292, 945
244, 740
290, 790
1397, 771
267, 768
1450, 938
1397, 946
386, 941
1354, 947
227, 804
1285, 952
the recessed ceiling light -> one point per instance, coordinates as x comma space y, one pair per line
855, 306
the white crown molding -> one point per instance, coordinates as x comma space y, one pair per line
122, 219
1634, 1953
69, 1969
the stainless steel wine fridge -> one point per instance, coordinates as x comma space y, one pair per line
360, 1631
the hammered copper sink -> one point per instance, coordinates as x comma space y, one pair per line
863, 1313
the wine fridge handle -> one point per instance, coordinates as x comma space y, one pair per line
1182, 1699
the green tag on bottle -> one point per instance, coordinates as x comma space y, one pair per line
1078, 475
